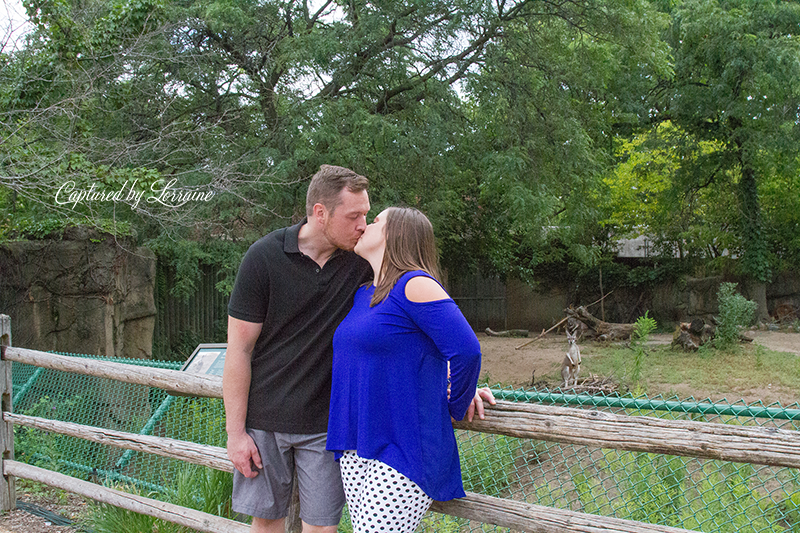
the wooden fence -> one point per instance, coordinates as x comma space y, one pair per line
482, 300
181, 321
756, 445
203, 314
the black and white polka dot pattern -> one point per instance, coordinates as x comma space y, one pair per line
381, 499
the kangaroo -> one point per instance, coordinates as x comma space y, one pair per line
571, 366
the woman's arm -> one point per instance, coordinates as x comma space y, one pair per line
444, 323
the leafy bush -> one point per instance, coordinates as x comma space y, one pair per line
735, 312
642, 329
53, 226
654, 488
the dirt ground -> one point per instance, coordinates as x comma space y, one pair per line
66, 507
504, 361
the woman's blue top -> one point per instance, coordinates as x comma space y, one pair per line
389, 393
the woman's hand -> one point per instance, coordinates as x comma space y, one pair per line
481, 395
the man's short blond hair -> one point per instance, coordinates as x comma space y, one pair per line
328, 183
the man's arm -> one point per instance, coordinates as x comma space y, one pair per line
236, 377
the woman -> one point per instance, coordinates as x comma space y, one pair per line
390, 419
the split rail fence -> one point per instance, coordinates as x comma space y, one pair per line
595, 429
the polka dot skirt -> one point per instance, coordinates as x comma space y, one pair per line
379, 498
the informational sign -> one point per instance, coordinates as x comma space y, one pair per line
206, 359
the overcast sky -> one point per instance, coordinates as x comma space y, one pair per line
13, 23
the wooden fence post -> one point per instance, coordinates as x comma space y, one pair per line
8, 493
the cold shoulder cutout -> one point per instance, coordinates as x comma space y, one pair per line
421, 289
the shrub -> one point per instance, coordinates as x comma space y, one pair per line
735, 312
642, 329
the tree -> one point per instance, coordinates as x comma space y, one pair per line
653, 190
546, 109
495, 117
737, 83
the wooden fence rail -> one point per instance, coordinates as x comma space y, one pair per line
767, 446
198, 520
199, 454
596, 429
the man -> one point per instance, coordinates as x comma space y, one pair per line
293, 288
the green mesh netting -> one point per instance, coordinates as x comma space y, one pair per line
696, 494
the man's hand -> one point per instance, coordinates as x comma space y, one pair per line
243, 453
481, 395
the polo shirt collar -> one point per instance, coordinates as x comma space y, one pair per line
292, 237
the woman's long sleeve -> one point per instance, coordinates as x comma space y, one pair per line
444, 323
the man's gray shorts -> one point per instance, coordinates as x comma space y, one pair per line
268, 495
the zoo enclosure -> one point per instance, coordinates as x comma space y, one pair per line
593, 429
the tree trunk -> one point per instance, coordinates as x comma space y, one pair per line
757, 291
754, 259
690, 336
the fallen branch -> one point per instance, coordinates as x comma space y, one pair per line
599, 299
606, 331
542, 334
507, 333
690, 336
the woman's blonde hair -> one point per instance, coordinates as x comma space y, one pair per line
410, 245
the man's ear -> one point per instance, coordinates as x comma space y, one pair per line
320, 213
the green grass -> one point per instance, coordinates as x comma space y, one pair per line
487, 462
707, 371
197, 488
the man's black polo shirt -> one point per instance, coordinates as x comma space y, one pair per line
299, 306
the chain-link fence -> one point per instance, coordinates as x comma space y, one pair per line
698, 494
